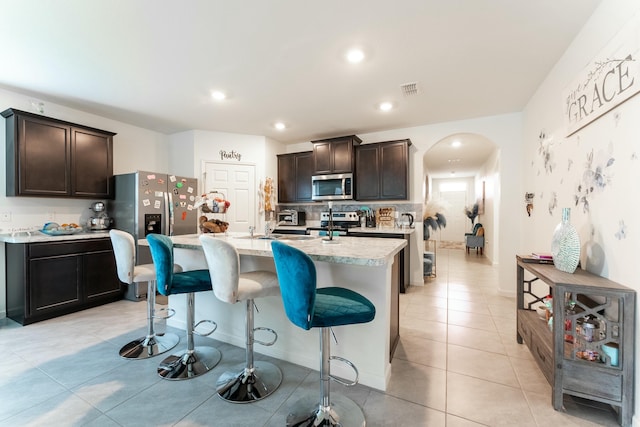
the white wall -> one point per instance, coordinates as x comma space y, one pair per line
609, 248
490, 175
189, 149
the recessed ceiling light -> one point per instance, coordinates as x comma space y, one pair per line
456, 144
355, 56
217, 95
385, 106
280, 126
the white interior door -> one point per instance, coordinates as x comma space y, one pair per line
238, 183
455, 229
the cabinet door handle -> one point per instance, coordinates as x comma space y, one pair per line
540, 355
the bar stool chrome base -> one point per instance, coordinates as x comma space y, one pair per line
342, 412
190, 364
149, 346
242, 385
152, 344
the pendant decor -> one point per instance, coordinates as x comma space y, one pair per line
565, 245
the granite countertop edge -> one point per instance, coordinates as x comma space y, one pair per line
37, 236
349, 250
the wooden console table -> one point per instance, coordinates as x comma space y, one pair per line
589, 311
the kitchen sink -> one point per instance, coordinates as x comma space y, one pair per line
296, 237
279, 237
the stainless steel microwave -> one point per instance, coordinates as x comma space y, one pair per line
332, 187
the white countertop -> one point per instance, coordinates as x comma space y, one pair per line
348, 250
37, 236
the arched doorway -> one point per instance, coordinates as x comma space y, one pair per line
460, 171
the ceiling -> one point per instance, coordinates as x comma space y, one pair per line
444, 160
154, 63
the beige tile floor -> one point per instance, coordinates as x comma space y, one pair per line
457, 365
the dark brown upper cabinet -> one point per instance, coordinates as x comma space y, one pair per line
294, 177
382, 171
334, 155
52, 158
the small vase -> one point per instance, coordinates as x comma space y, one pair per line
565, 245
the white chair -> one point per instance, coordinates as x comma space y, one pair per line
252, 380
151, 344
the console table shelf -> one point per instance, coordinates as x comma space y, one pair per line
588, 348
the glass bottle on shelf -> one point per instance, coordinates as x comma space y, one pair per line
568, 321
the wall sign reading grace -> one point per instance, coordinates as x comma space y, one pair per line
230, 155
611, 78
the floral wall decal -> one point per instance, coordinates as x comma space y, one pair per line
596, 177
622, 231
544, 149
553, 202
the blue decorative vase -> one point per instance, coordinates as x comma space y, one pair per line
565, 245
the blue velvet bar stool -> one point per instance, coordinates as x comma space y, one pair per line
150, 345
253, 380
308, 307
194, 361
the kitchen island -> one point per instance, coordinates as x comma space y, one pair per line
366, 265
404, 232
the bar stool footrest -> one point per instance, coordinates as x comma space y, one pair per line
165, 313
351, 365
267, 344
211, 322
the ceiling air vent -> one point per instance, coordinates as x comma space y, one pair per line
409, 89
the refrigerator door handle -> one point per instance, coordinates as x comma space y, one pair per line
168, 202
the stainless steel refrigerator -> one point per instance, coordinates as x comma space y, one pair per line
149, 202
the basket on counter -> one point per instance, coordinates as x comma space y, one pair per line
213, 202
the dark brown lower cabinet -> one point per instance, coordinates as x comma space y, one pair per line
50, 279
404, 255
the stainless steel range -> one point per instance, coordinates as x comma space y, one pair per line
341, 220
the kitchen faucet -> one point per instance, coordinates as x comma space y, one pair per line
268, 230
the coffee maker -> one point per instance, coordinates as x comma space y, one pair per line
100, 221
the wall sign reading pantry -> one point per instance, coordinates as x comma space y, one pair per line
230, 155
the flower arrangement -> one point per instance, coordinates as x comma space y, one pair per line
213, 202
471, 212
433, 217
